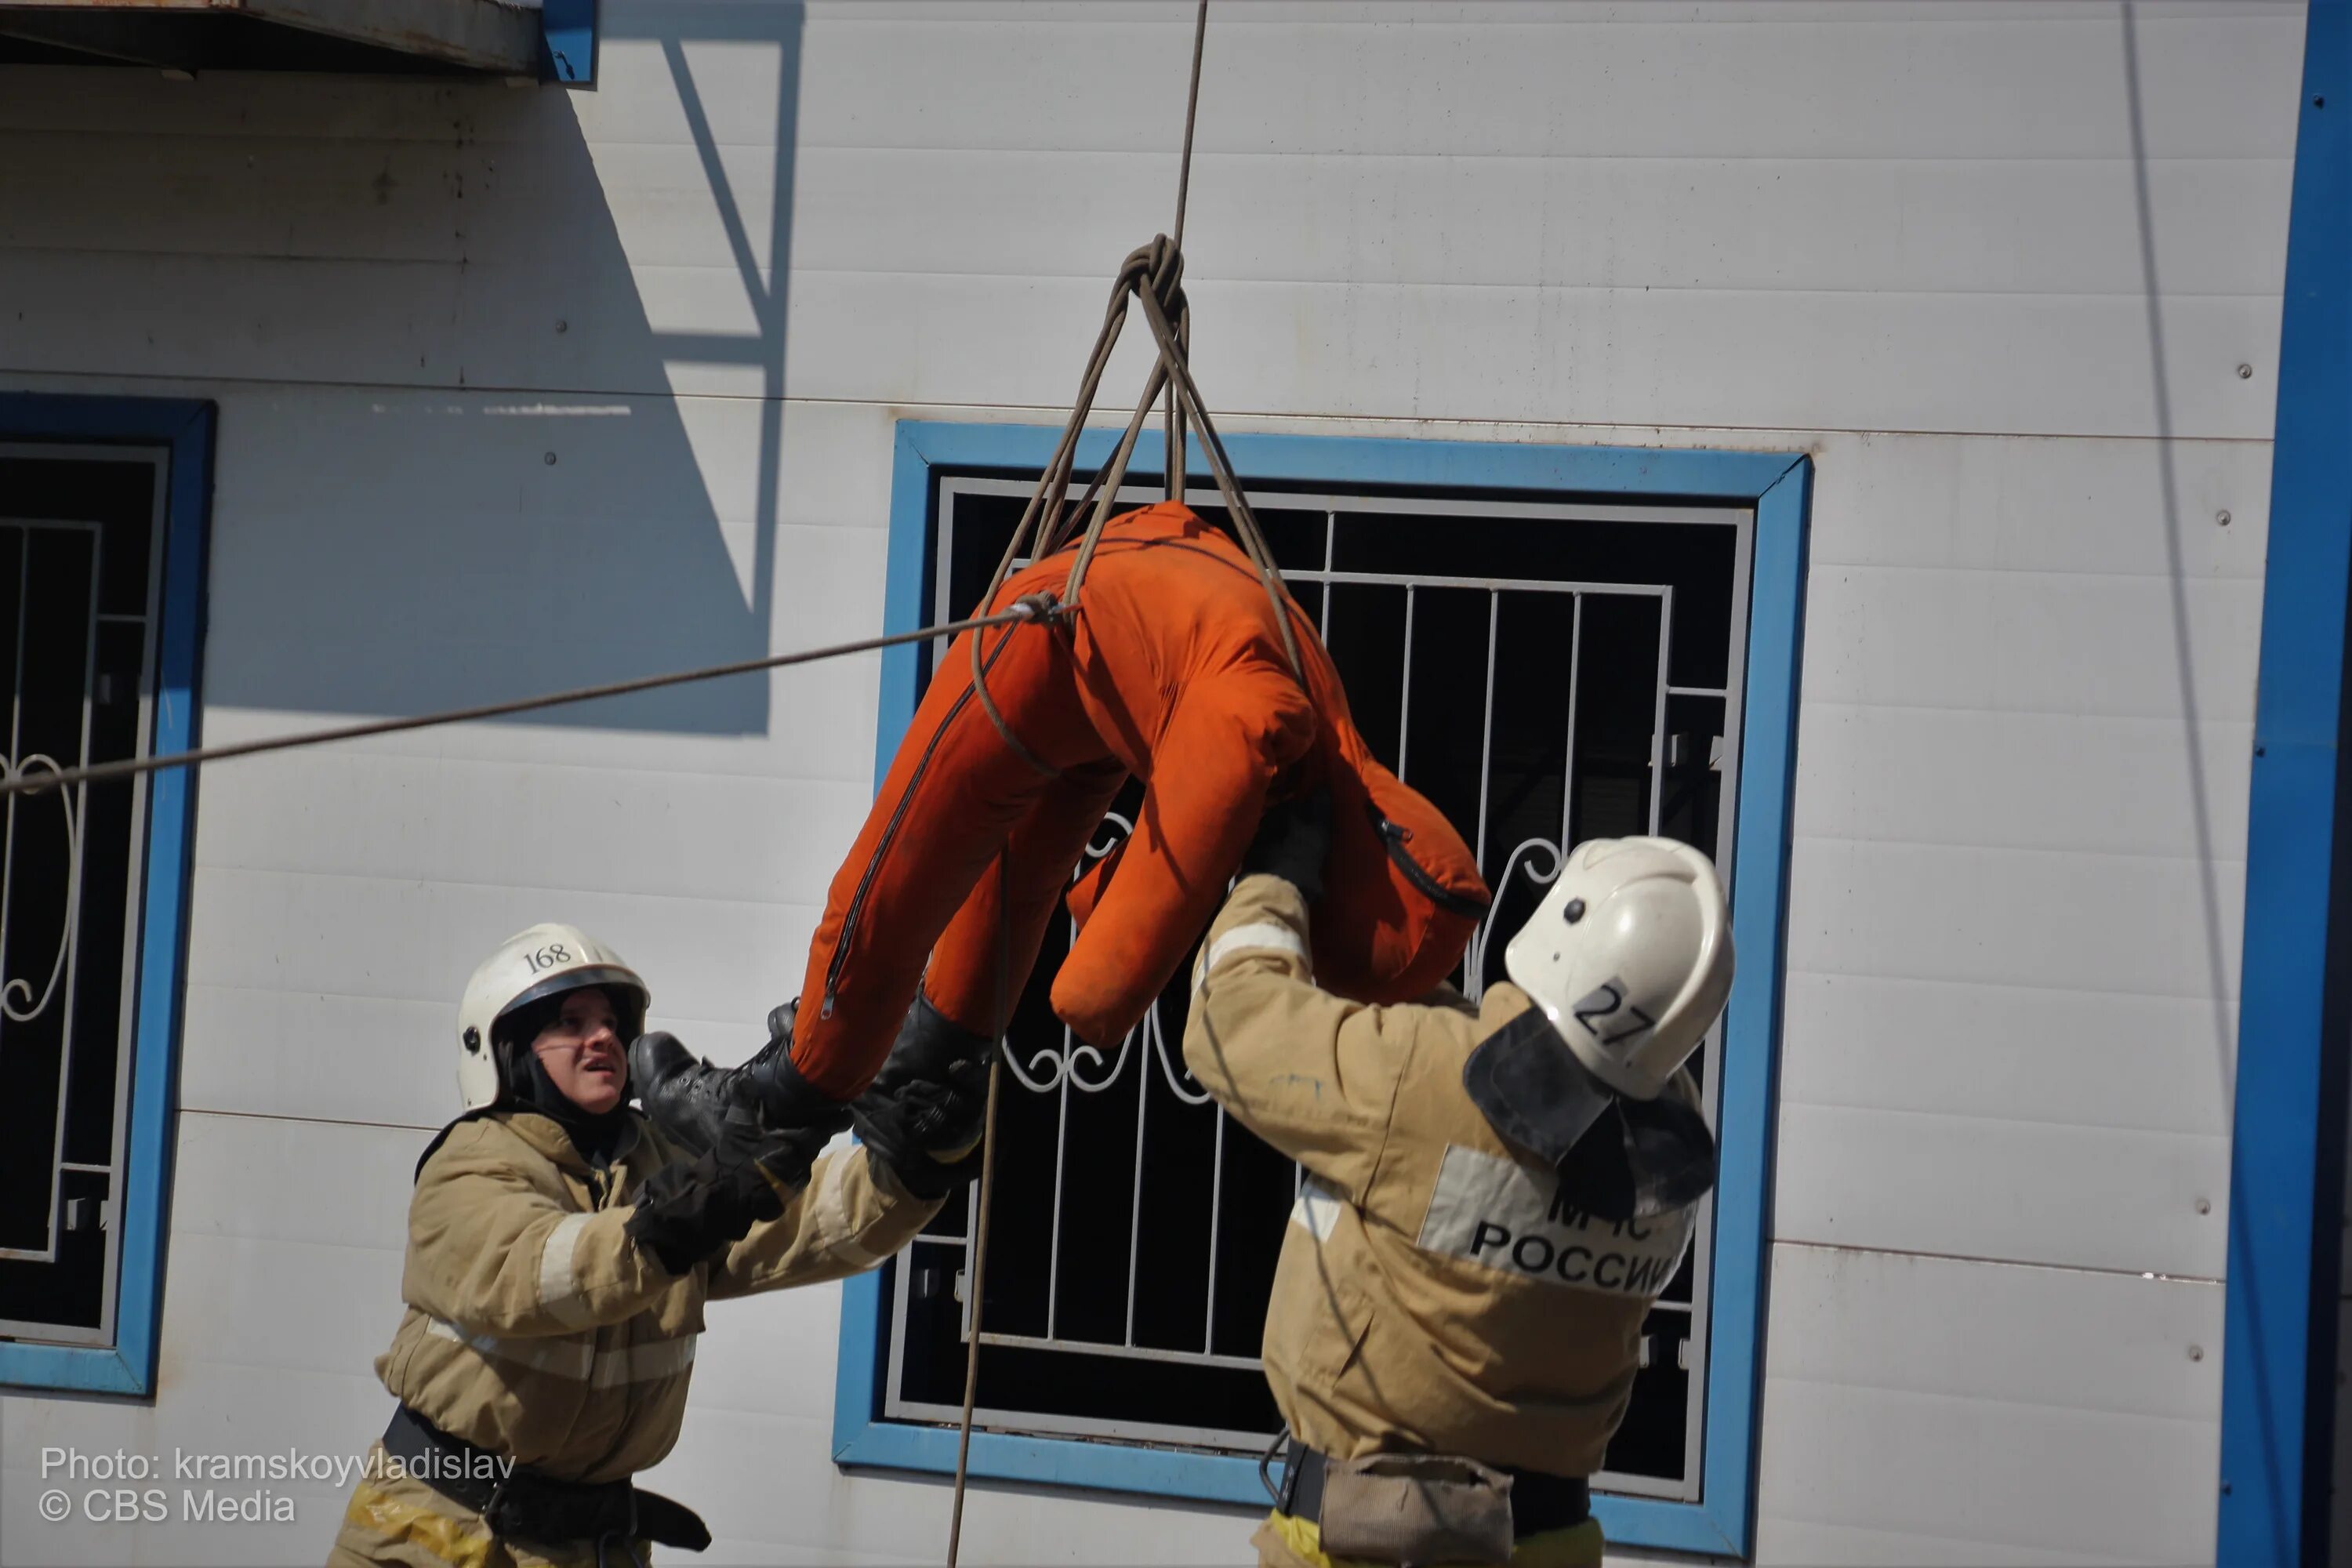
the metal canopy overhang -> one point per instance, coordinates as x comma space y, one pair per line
493, 37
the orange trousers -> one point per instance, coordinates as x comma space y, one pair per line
1173, 671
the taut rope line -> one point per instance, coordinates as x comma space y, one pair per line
100, 773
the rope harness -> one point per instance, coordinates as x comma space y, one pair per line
1153, 276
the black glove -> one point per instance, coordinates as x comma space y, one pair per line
1293, 840
788, 1101
689, 1211
925, 1112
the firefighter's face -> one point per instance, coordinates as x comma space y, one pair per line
584, 1053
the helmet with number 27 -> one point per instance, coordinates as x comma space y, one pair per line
527, 967
1629, 957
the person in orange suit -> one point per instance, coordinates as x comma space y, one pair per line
1172, 668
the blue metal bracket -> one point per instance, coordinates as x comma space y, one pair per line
2286, 1159
568, 31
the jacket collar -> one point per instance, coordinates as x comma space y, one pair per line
547, 1137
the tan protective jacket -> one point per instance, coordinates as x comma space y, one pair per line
1435, 1293
538, 1329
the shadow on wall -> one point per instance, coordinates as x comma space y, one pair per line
2217, 979
464, 477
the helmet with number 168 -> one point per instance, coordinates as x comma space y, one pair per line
528, 966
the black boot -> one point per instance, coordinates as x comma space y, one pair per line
691, 1101
684, 1096
925, 1112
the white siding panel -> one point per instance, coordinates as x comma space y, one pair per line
423, 551
213, 194
1648, 84
1708, 247
228, 1185
2039, 363
2064, 781
411, 941
2044, 642
235, 1311
1948, 1467
1842, 1546
2105, 1345
207, 1408
1970, 1413
277, 1051
2134, 509
2064, 921
2009, 1190
639, 832
305, 106
492, 323
2063, 226
1816, 81
1971, 1050
753, 1355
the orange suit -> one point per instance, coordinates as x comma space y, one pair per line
1174, 670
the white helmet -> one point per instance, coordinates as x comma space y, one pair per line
527, 967
1629, 957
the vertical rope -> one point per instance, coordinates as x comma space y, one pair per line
1175, 461
987, 1193
1056, 481
1191, 109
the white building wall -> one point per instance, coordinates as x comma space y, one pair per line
513, 397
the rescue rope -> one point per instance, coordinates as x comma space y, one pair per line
978, 1272
1027, 609
1174, 487
1153, 274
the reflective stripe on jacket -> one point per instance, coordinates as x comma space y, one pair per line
1434, 1292
538, 1329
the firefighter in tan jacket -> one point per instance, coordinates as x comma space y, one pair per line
561, 1249
1491, 1198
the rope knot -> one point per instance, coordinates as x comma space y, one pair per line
1041, 606
1158, 266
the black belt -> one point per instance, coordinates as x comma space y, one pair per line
517, 1501
1538, 1501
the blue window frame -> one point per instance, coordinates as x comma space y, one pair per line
2280, 1452
178, 435
1776, 485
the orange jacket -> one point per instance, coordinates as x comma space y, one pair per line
1172, 670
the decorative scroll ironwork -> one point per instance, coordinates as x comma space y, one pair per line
1057, 1067
13, 990
1474, 958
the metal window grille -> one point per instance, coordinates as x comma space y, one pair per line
80, 570
1545, 672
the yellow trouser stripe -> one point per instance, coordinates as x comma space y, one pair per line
1579, 1546
452, 1540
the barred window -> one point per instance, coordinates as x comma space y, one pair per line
81, 540
1545, 672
